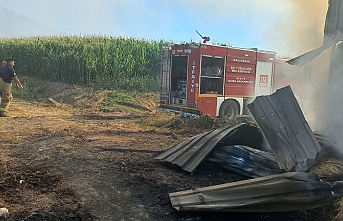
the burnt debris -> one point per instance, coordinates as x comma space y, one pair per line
275, 156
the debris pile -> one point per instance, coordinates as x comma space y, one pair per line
245, 160
277, 156
276, 193
186, 120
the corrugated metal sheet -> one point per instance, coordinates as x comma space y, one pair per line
286, 130
191, 152
245, 160
309, 56
248, 135
294, 191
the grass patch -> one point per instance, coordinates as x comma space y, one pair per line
84, 97
30, 91
112, 98
118, 100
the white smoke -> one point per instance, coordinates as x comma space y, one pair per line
287, 27
329, 101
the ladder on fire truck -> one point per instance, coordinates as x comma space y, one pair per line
165, 74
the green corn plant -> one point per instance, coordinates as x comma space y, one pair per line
96, 61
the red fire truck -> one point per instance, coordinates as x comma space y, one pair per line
220, 80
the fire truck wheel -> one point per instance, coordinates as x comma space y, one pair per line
228, 109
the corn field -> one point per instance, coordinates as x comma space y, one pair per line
96, 61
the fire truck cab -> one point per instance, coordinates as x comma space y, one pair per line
220, 80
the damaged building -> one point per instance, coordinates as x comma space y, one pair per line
275, 156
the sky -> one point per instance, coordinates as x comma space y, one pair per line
285, 26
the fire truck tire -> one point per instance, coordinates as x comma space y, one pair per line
228, 109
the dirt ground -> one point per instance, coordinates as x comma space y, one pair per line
62, 163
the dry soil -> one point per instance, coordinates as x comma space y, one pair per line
62, 163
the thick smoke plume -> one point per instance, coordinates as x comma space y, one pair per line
324, 107
330, 103
303, 30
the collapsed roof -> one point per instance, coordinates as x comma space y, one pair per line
192, 151
294, 191
286, 129
294, 147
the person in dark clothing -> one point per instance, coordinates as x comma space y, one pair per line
7, 74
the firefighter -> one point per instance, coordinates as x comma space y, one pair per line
7, 74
